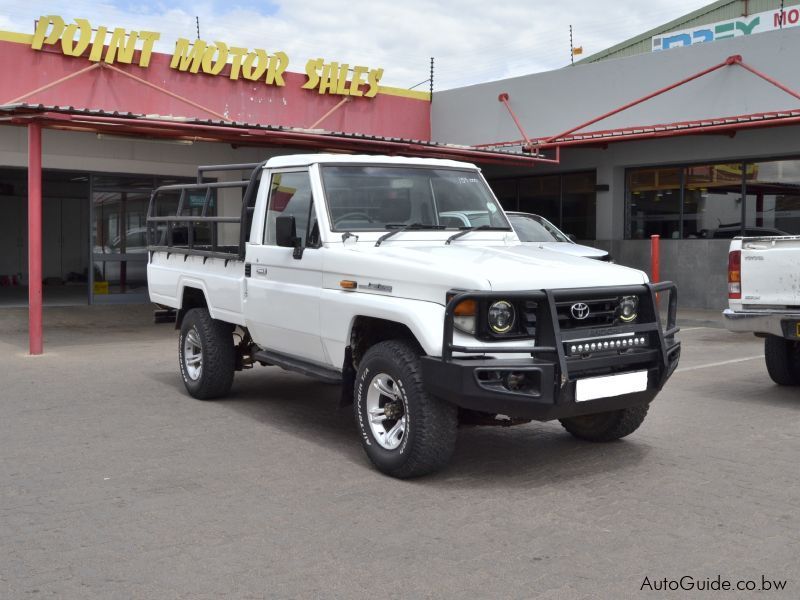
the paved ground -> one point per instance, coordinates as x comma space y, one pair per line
115, 484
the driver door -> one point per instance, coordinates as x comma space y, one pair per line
283, 293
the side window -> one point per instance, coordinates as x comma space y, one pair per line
290, 195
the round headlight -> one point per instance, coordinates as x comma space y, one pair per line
628, 308
501, 316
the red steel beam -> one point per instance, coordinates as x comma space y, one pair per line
709, 129
35, 342
768, 79
731, 60
503, 97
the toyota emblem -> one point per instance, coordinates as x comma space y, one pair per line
579, 310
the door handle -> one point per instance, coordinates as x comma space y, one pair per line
261, 271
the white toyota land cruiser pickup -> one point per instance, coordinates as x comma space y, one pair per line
764, 299
351, 269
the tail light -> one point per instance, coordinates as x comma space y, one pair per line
735, 275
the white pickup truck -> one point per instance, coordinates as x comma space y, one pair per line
350, 269
764, 299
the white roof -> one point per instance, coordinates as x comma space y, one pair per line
304, 160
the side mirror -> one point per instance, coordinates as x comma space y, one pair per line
286, 235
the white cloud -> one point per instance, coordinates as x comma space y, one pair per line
471, 40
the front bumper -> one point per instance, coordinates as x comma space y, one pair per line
549, 377
781, 324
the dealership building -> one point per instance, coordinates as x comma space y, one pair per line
690, 131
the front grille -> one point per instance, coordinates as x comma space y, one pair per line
528, 310
602, 313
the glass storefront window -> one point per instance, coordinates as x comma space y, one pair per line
579, 205
713, 206
506, 192
569, 201
773, 197
653, 205
541, 196
712, 202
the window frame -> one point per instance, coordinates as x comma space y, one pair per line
311, 209
744, 162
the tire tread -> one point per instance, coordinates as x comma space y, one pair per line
783, 369
436, 427
219, 357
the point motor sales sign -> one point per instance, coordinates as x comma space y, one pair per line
756, 23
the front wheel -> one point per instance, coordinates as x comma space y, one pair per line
783, 360
607, 426
404, 431
206, 355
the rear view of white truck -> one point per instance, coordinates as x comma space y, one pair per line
764, 299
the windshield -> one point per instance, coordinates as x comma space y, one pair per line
533, 228
377, 198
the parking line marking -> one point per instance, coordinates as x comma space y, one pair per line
719, 364
684, 329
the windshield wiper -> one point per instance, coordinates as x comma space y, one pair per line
402, 227
467, 230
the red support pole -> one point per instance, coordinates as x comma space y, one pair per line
35, 238
655, 258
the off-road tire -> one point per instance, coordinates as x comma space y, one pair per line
783, 360
607, 426
218, 355
431, 429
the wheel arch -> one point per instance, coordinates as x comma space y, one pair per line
192, 295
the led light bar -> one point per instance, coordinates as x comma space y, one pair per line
606, 345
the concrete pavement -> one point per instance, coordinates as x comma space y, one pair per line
115, 483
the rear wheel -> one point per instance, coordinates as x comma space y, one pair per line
607, 426
404, 431
206, 355
783, 360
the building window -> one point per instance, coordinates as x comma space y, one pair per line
718, 200
579, 205
773, 197
654, 203
569, 201
712, 201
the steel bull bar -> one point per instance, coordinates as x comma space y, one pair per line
543, 384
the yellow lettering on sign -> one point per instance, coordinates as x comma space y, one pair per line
252, 70
148, 39
358, 72
98, 45
121, 46
41, 35
312, 68
184, 59
212, 65
373, 78
332, 78
278, 63
328, 78
68, 45
236, 64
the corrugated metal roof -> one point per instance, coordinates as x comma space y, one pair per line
768, 119
721, 10
241, 129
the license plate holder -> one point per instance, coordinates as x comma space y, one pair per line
607, 386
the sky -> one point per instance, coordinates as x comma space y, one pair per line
472, 41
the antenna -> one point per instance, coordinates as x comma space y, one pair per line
571, 49
431, 86
197, 21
